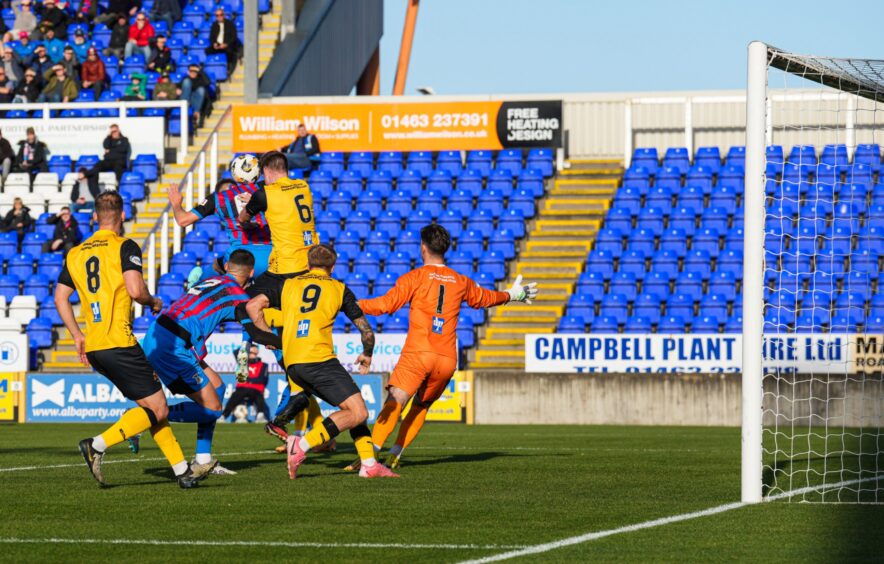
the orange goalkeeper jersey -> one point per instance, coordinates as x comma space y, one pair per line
435, 293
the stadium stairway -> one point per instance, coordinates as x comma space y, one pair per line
553, 255
63, 358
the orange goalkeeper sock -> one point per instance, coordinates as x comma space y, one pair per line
132, 422
411, 426
165, 439
386, 422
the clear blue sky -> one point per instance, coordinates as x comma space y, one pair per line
518, 46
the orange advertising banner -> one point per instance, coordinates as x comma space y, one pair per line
430, 126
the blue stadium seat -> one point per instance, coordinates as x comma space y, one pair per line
633, 262
582, 306
37, 285
471, 181
531, 180
706, 239
502, 181
651, 219
479, 161
619, 219
614, 306
410, 181
647, 306
681, 305
452, 221
571, 324
868, 154
398, 261
637, 324
461, 201
449, 161
642, 239
624, 284
659, 197
349, 242
705, 324
709, 157
700, 177
657, 283
32, 244
421, 161
509, 159
378, 242
592, 283
669, 177
171, 284
358, 284
430, 202
637, 177
493, 263
50, 264
400, 202
715, 218
671, 324
390, 161
461, 261
513, 221
690, 283
21, 266
197, 242
389, 221
147, 165
329, 223
9, 284
666, 261
440, 181
383, 283
601, 262
684, 218
605, 324
611, 240
646, 158
714, 305
677, 157
361, 162
39, 332
368, 263
483, 221
523, 201
492, 201
471, 241
182, 262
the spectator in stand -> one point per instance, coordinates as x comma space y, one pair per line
303, 152
87, 12
41, 63
165, 89
54, 46
161, 57
252, 389
60, 87
12, 65
80, 45
92, 72
66, 235
70, 62
28, 90
119, 38
7, 88
17, 219
56, 17
25, 48
116, 153
25, 19
125, 8
7, 156
168, 11
137, 89
195, 89
31, 154
85, 191
223, 39
140, 35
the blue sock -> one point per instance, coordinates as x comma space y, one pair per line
188, 411
204, 434
286, 394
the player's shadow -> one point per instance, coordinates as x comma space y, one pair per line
433, 460
42, 451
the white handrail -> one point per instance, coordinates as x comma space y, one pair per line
164, 245
122, 106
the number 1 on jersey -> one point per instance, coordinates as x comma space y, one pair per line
440, 301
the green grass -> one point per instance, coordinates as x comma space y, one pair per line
482, 485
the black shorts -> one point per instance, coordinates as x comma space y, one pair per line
328, 380
270, 280
128, 369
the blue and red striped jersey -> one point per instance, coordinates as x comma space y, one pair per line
205, 306
225, 205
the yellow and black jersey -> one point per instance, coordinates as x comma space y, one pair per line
94, 268
309, 305
288, 207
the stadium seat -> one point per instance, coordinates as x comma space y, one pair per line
197, 242
450, 162
410, 181
671, 324
378, 242
637, 324
637, 177
40, 333
571, 324
646, 158
37, 285
470, 181
391, 162
147, 166
710, 158
479, 161
705, 324
614, 306
21, 266
440, 181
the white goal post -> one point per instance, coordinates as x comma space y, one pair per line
813, 288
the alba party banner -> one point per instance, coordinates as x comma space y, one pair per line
415, 126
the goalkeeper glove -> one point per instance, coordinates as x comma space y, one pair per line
242, 363
519, 293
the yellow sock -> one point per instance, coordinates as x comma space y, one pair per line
314, 414
130, 424
165, 439
301, 422
412, 425
364, 448
317, 435
387, 419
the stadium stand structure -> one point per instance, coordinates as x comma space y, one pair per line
61, 355
669, 256
553, 254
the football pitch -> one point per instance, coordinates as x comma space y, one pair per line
466, 493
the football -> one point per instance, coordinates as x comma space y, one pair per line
245, 169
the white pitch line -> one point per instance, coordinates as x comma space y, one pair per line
277, 544
589, 537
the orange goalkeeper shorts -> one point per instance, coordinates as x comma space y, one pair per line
423, 373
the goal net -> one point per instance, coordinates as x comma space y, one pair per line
813, 333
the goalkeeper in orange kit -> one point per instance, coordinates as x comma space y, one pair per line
429, 356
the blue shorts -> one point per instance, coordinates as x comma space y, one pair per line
260, 252
174, 362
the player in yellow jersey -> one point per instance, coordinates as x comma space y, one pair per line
106, 271
288, 208
309, 303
